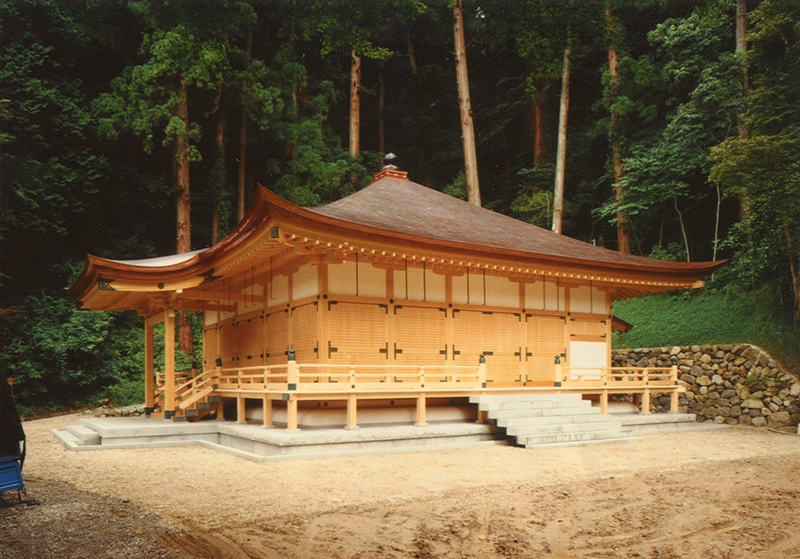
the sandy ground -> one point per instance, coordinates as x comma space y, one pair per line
726, 493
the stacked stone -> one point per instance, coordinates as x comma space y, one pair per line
107, 410
732, 384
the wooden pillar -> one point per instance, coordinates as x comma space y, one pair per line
604, 402
421, 422
149, 371
267, 407
646, 401
291, 413
169, 364
240, 409
352, 403
673, 401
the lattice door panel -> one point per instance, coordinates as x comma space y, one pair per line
227, 345
420, 336
545, 340
358, 336
588, 328
495, 334
250, 342
276, 329
209, 347
305, 333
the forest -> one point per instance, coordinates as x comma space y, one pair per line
139, 128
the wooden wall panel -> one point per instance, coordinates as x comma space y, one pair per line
276, 333
210, 335
495, 334
420, 335
588, 328
304, 333
227, 344
250, 341
545, 338
358, 334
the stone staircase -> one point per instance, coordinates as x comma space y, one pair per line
536, 420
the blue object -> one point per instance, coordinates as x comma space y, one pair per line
11, 474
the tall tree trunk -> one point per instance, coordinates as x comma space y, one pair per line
623, 227
793, 269
465, 106
184, 241
537, 126
220, 138
412, 58
183, 220
243, 143
741, 49
561, 152
242, 165
355, 104
381, 115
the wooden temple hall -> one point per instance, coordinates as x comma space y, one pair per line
395, 304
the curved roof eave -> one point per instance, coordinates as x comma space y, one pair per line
312, 216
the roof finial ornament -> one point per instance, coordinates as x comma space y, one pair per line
390, 169
390, 161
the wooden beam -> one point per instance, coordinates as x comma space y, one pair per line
169, 364
149, 372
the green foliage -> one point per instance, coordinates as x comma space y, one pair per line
711, 316
67, 355
85, 85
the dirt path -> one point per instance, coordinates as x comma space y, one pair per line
725, 493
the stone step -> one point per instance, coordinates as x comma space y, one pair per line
528, 431
542, 412
554, 420
534, 405
562, 438
68, 439
491, 398
84, 435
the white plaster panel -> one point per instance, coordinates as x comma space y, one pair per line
342, 278
248, 305
586, 359
460, 289
580, 299
501, 292
210, 317
304, 282
371, 281
279, 291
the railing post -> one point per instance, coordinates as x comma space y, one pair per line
673, 377
482, 371
558, 374
422, 377
352, 377
292, 372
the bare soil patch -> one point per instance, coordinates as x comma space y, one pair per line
730, 493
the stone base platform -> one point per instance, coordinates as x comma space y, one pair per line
256, 443
259, 444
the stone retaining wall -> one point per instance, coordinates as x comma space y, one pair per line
733, 384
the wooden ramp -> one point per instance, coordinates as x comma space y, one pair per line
536, 420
